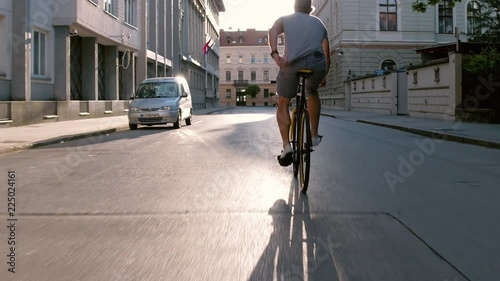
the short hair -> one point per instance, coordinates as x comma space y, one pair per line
303, 6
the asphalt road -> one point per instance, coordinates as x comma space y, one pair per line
210, 202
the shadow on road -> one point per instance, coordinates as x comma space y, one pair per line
296, 250
83, 140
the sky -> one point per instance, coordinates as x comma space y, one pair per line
258, 14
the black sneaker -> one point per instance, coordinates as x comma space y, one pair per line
287, 160
286, 157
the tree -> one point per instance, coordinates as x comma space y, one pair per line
252, 91
488, 18
421, 5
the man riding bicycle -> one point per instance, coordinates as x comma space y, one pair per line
306, 46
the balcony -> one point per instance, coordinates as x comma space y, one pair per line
240, 83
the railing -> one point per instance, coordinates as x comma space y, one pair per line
239, 83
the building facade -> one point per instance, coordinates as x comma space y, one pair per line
246, 60
198, 48
366, 36
74, 59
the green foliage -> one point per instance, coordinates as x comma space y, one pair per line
485, 62
421, 5
252, 90
271, 94
488, 20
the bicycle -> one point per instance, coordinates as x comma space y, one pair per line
300, 133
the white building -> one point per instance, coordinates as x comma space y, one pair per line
367, 35
245, 60
73, 59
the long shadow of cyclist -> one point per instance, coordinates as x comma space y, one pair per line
296, 250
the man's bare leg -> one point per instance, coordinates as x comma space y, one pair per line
283, 118
314, 107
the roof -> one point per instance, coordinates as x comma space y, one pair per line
220, 5
251, 37
463, 47
163, 79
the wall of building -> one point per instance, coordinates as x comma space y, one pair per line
358, 45
253, 59
432, 92
376, 94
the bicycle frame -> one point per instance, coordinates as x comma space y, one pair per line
300, 122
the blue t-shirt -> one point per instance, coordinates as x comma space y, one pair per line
304, 35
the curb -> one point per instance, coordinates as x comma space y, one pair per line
78, 136
219, 110
437, 135
329, 115
62, 139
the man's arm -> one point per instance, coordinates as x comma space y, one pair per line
274, 32
326, 49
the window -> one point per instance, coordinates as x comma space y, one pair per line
39, 53
228, 93
388, 65
473, 18
280, 40
240, 75
228, 75
266, 75
109, 6
240, 59
253, 75
436, 74
129, 12
266, 58
228, 59
266, 93
252, 59
241, 39
388, 15
260, 41
445, 20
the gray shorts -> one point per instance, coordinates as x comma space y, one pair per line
287, 81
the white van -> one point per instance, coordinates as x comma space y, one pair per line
160, 101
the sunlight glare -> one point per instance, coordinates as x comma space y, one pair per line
258, 14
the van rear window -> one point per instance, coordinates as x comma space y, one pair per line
158, 90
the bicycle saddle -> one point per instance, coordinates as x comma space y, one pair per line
305, 72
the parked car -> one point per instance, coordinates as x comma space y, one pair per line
159, 101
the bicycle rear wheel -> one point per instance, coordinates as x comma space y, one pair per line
294, 136
305, 143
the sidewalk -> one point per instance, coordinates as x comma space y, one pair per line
24, 137
486, 135
18, 138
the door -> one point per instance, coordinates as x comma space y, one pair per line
241, 99
402, 95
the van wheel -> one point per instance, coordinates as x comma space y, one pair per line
190, 118
132, 126
177, 123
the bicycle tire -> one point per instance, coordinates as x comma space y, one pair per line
305, 142
295, 144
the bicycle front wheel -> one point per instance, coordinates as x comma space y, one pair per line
305, 146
